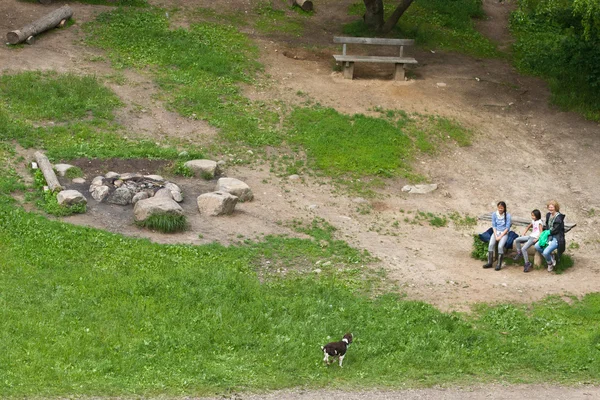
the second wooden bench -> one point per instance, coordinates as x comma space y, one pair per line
348, 60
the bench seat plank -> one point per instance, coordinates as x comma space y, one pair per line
379, 41
375, 59
523, 221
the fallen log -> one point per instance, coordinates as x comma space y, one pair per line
48, 21
48, 171
305, 5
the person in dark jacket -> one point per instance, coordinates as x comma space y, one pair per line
555, 223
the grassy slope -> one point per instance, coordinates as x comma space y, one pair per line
88, 312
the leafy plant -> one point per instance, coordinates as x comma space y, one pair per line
74, 172
480, 249
166, 223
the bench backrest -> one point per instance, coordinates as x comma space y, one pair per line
377, 41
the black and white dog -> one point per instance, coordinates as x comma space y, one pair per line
337, 349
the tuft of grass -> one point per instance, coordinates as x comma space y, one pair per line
434, 24
565, 262
166, 223
461, 221
271, 20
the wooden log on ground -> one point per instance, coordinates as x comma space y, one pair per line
48, 21
305, 5
48, 171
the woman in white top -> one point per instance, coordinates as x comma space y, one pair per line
536, 226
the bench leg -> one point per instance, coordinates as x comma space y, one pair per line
348, 70
399, 74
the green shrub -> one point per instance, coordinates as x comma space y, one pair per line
480, 248
74, 172
166, 223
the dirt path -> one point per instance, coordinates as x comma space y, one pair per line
525, 152
491, 392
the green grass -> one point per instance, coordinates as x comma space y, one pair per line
165, 223
70, 116
362, 145
116, 316
200, 68
434, 24
271, 20
40, 96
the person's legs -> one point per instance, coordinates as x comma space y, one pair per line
490, 258
517, 242
526, 246
547, 253
501, 245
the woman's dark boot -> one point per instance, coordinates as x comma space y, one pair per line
499, 265
490, 260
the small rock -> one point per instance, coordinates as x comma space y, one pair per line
294, 177
97, 181
62, 168
118, 183
441, 84
185, 153
327, 264
157, 178
317, 271
130, 176
139, 196
164, 193
312, 207
172, 187
112, 175
420, 189
34, 165
78, 180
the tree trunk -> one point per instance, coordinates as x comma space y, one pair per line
48, 21
305, 5
48, 172
393, 19
374, 14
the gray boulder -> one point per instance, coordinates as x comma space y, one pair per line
70, 197
139, 196
155, 206
236, 188
216, 203
99, 193
62, 168
121, 196
204, 168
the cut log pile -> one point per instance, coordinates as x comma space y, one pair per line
49, 21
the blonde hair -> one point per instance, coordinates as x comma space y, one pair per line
555, 204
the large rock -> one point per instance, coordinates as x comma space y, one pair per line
216, 203
236, 188
121, 196
99, 193
420, 189
175, 191
155, 206
62, 168
204, 168
70, 197
164, 193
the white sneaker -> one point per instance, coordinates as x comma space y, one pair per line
551, 266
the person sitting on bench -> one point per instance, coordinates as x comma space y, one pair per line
501, 226
555, 223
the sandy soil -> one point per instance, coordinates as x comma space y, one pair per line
525, 152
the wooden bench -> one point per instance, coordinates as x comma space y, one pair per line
523, 221
537, 258
348, 60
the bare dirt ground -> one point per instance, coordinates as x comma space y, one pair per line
525, 152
